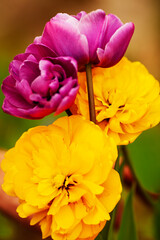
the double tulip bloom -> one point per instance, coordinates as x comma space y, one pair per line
39, 83
44, 78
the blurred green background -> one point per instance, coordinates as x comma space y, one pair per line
20, 22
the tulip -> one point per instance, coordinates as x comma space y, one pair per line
94, 38
39, 83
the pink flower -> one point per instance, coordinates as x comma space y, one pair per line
39, 83
94, 38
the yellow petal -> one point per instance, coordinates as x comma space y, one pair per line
80, 210
75, 193
46, 187
24, 210
38, 217
74, 233
58, 202
112, 191
46, 226
81, 165
94, 188
65, 217
97, 214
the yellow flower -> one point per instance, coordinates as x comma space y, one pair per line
63, 175
127, 100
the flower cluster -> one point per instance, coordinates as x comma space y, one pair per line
127, 100
63, 174
68, 192
44, 78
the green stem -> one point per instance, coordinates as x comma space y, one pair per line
128, 162
92, 113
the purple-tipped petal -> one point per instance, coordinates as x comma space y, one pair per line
24, 89
91, 26
11, 109
68, 64
65, 39
80, 15
38, 112
111, 24
40, 85
48, 70
15, 65
37, 39
116, 47
55, 101
21, 57
31, 113
54, 86
73, 92
63, 17
13, 97
9, 81
29, 71
66, 103
40, 50
31, 58
64, 90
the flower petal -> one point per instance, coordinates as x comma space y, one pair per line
111, 25
91, 26
109, 198
116, 47
40, 50
65, 217
65, 39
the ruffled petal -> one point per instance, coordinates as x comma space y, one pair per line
40, 50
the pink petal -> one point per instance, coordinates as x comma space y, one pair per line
116, 47
65, 38
29, 71
91, 26
40, 51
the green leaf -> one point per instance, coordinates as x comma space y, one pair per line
110, 231
99, 237
157, 221
128, 229
145, 159
6, 230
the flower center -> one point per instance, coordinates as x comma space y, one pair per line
62, 182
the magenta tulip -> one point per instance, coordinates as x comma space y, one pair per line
39, 83
94, 38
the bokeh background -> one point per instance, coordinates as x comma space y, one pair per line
20, 22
